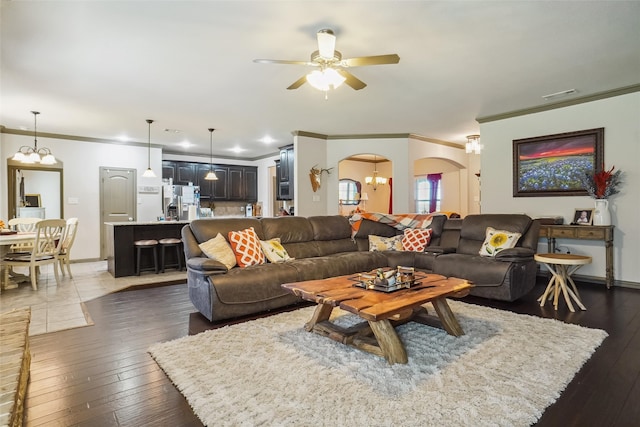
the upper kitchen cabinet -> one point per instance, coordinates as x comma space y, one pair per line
234, 183
284, 173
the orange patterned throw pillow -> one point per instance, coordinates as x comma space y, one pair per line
246, 247
416, 239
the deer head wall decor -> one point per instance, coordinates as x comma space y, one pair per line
315, 175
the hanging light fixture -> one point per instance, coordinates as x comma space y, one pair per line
211, 176
473, 145
149, 172
34, 154
375, 179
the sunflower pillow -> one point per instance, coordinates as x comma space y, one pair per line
497, 240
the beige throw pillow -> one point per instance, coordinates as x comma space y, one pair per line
379, 243
219, 249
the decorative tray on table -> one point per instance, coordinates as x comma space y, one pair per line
386, 280
7, 232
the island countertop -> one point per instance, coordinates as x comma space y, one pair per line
126, 223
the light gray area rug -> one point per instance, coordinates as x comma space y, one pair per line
504, 371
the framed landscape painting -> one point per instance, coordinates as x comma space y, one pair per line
553, 165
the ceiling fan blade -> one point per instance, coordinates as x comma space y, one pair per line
326, 43
352, 80
282, 61
372, 60
295, 85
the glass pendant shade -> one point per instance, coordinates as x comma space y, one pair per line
473, 145
325, 79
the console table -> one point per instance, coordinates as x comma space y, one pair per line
582, 232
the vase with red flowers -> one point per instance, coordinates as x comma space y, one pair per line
601, 185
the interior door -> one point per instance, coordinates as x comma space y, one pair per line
117, 199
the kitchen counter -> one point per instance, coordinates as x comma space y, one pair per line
125, 223
121, 254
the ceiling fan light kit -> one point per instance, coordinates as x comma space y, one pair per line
332, 72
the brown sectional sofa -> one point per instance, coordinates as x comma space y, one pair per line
323, 247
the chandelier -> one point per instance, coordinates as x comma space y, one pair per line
473, 145
34, 154
375, 179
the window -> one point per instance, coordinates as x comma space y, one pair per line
348, 192
428, 193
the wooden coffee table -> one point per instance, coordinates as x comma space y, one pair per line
381, 311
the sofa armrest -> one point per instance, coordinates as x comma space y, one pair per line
206, 265
440, 250
515, 255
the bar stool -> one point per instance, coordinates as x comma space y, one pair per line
170, 242
146, 244
562, 266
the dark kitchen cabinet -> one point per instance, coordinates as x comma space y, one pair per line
250, 184
234, 183
169, 170
185, 173
284, 173
206, 187
220, 187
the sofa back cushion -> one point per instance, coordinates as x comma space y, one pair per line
205, 229
332, 234
474, 228
375, 228
295, 233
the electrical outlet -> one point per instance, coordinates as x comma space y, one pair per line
241, 208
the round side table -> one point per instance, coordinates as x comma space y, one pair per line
561, 267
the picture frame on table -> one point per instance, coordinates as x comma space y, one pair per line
553, 165
33, 200
583, 216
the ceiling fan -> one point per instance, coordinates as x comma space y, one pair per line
331, 71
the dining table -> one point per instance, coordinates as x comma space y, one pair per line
6, 241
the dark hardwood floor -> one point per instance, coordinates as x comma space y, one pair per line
101, 375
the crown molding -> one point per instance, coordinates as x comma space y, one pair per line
567, 103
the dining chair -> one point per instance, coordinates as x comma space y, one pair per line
65, 249
23, 225
50, 233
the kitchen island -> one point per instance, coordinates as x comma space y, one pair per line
121, 256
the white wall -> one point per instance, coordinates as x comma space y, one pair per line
81, 181
620, 116
310, 152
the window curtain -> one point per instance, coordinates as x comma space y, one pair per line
390, 181
434, 184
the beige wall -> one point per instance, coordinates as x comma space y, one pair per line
620, 117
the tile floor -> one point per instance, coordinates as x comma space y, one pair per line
56, 307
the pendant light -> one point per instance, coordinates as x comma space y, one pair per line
211, 176
149, 172
473, 145
34, 154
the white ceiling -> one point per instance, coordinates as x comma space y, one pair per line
100, 68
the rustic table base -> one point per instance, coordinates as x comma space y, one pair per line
379, 337
381, 312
